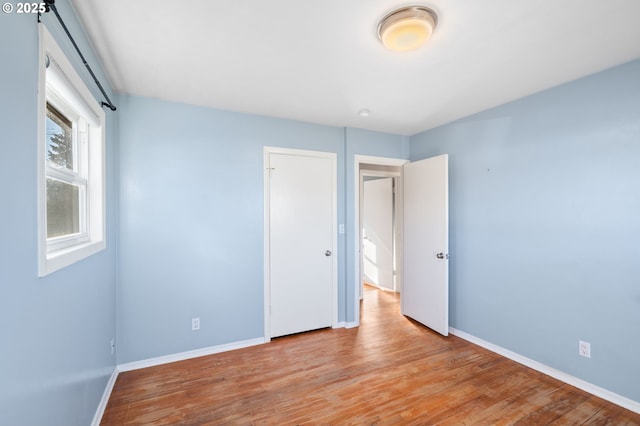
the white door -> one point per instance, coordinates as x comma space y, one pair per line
425, 293
301, 202
377, 232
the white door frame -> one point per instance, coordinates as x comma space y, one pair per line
267, 220
378, 161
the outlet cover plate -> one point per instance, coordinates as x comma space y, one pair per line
584, 349
195, 324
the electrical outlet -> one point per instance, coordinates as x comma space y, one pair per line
195, 324
113, 346
584, 349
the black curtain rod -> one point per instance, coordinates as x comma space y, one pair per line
51, 6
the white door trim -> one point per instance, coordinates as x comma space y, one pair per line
334, 237
378, 161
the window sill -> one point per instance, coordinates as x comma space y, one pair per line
59, 259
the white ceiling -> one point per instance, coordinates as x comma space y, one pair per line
320, 60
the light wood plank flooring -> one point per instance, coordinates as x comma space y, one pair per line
389, 371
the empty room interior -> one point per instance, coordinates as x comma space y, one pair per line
329, 212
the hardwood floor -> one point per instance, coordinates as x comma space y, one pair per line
389, 371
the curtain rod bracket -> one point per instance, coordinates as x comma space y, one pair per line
47, 8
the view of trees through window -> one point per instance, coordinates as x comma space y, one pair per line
59, 139
63, 197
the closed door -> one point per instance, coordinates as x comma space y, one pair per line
301, 221
425, 293
377, 232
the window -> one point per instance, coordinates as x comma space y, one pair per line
66, 184
71, 163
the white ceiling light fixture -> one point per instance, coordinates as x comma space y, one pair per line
407, 28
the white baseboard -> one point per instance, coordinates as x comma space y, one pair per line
135, 365
97, 418
344, 324
605, 394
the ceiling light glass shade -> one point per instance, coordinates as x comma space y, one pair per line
407, 28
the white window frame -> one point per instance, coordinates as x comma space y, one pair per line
61, 86
78, 176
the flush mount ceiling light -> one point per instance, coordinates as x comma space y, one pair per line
407, 28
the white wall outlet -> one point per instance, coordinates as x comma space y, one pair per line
584, 349
195, 324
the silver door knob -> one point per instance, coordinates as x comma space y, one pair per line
327, 253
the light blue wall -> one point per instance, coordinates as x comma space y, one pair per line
545, 225
55, 356
192, 220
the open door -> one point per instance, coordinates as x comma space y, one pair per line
425, 295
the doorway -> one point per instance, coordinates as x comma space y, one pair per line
421, 236
378, 209
380, 175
